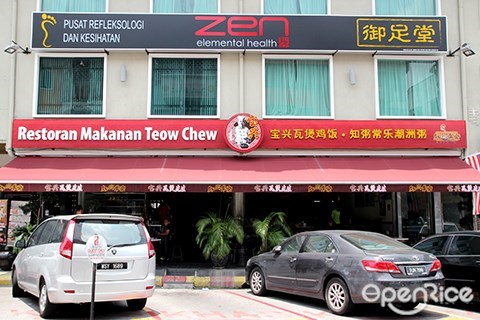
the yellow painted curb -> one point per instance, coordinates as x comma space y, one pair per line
239, 281
201, 282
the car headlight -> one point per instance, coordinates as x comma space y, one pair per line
248, 261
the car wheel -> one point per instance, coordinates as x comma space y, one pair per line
45, 307
136, 304
257, 282
406, 306
17, 292
337, 297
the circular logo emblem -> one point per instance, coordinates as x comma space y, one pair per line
96, 248
243, 132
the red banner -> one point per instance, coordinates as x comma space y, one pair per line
210, 134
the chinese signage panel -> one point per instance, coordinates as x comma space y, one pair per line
212, 134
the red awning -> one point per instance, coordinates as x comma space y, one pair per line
242, 174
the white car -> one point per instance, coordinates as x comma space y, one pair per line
54, 265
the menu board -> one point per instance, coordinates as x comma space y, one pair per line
3, 221
17, 218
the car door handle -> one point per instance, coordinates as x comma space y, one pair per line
328, 259
293, 259
477, 262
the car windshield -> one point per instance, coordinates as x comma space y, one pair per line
116, 233
370, 241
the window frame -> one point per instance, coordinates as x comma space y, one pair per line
181, 56
298, 57
437, 6
441, 83
329, 12
40, 2
36, 84
219, 8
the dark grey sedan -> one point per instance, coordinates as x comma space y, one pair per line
338, 265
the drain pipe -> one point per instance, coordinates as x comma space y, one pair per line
463, 70
13, 85
241, 85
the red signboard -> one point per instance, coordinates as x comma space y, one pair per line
210, 134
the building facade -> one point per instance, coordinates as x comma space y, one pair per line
245, 107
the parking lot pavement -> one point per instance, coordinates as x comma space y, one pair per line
218, 304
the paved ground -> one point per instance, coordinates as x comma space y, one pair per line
218, 304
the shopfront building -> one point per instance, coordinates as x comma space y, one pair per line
242, 112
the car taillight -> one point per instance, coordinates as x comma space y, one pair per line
437, 265
380, 266
66, 247
151, 249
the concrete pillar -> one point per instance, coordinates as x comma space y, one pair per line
399, 214
438, 212
238, 205
239, 212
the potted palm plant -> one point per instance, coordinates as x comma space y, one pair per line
215, 234
271, 230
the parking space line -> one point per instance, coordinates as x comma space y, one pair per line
153, 314
271, 305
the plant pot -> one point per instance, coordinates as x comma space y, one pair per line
219, 261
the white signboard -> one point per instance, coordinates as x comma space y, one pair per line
96, 248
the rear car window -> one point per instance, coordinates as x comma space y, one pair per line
116, 233
369, 241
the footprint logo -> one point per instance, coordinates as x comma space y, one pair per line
46, 19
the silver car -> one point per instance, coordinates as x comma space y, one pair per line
337, 265
54, 266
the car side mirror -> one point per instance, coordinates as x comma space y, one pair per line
277, 249
20, 244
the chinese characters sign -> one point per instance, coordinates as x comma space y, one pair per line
51, 31
211, 134
414, 34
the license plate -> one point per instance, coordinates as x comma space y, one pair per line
415, 270
112, 266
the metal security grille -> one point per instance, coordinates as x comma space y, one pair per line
70, 86
184, 87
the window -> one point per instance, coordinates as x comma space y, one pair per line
47, 232
70, 86
433, 245
184, 87
406, 7
465, 246
116, 233
372, 241
295, 6
297, 88
60, 227
320, 244
293, 245
409, 88
185, 6
74, 5
35, 237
